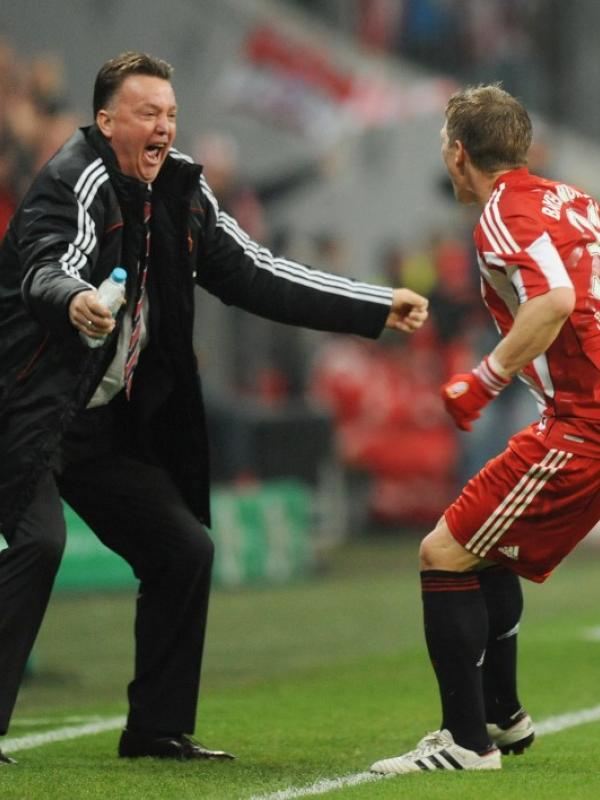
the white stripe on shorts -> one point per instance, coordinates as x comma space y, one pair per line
516, 502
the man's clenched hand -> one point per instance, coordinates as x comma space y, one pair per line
408, 312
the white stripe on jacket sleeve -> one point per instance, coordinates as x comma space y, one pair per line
291, 270
86, 188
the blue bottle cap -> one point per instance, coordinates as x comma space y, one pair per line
119, 275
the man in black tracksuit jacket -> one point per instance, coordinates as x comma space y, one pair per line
132, 465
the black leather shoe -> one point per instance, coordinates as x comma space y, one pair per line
138, 745
4, 759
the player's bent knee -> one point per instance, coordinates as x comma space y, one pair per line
440, 550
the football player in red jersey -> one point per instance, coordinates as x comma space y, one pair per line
538, 248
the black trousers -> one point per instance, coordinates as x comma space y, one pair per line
135, 509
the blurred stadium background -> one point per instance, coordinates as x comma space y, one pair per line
318, 123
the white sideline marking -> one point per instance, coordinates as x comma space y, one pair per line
61, 734
569, 720
543, 728
320, 787
32, 722
591, 634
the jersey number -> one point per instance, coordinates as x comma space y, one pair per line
591, 223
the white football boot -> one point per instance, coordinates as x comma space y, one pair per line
438, 750
515, 736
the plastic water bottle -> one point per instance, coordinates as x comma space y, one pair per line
111, 293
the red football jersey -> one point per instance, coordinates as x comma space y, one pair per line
535, 235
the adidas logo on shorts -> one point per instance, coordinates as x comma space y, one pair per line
511, 551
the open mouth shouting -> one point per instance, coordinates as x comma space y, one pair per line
155, 154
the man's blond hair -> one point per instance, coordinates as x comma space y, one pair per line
492, 125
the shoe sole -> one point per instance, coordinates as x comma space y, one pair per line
517, 748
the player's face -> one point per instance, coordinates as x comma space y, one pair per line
140, 123
453, 156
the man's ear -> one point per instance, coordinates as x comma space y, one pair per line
460, 155
104, 122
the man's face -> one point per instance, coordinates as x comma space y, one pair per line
453, 155
140, 123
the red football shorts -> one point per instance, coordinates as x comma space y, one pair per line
528, 507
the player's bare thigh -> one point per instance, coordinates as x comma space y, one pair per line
440, 550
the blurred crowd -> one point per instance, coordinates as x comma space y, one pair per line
473, 40
35, 120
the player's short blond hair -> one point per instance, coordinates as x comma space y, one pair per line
494, 128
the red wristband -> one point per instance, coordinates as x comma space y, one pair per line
491, 379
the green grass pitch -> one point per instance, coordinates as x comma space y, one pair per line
310, 682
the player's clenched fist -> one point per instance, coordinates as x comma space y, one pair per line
464, 395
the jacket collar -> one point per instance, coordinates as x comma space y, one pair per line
129, 190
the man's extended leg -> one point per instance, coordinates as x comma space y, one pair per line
137, 511
27, 571
509, 725
456, 630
